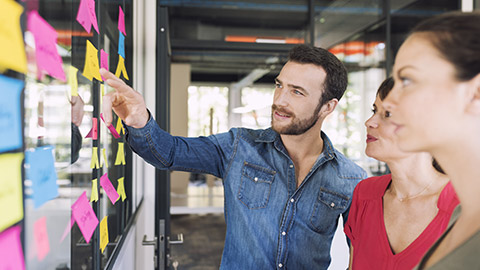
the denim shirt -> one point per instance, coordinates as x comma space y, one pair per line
271, 224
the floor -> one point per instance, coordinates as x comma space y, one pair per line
203, 235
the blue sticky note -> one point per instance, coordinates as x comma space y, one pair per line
10, 114
121, 44
41, 171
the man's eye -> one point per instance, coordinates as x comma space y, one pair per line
277, 85
296, 92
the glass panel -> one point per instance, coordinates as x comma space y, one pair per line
339, 20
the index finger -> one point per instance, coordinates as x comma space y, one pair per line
113, 81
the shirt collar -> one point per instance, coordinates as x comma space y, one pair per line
270, 136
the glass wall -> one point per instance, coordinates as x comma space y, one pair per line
78, 197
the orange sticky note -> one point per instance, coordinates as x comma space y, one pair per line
120, 155
91, 69
12, 49
94, 193
103, 233
121, 69
94, 163
121, 189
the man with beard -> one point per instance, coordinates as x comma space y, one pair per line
285, 187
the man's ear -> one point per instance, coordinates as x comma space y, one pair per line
473, 106
328, 107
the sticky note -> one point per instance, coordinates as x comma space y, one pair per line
84, 216
48, 59
120, 155
72, 80
120, 128
94, 162
111, 128
10, 114
68, 228
91, 68
12, 49
121, 20
105, 160
103, 60
40, 237
121, 45
121, 69
121, 189
86, 15
41, 171
93, 133
11, 253
103, 233
109, 189
11, 194
94, 193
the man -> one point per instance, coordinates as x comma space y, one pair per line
285, 186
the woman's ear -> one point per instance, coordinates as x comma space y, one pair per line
328, 107
473, 106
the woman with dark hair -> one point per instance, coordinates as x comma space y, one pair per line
435, 107
395, 218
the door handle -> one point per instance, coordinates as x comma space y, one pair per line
146, 242
177, 241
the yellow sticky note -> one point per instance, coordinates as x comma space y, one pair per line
91, 69
102, 91
119, 127
120, 155
72, 80
94, 163
94, 194
12, 49
103, 233
121, 68
11, 200
105, 160
121, 189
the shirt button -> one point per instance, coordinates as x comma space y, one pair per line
332, 204
292, 200
284, 233
280, 265
291, 166
255, 179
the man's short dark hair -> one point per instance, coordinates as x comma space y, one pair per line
337, 79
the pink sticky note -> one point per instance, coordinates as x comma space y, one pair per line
111, 128
93, 133
93, 15
83, 16
84, 216
103, 60
86, 15
109, 189
121, 20
68, 229
45, 36
11, 253
41, 238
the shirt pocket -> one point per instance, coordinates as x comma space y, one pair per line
328, 206
255, 185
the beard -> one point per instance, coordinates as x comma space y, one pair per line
297, 126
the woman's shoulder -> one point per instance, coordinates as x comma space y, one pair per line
373, 187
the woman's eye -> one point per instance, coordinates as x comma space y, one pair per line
387, 114
374, 111
405, 81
